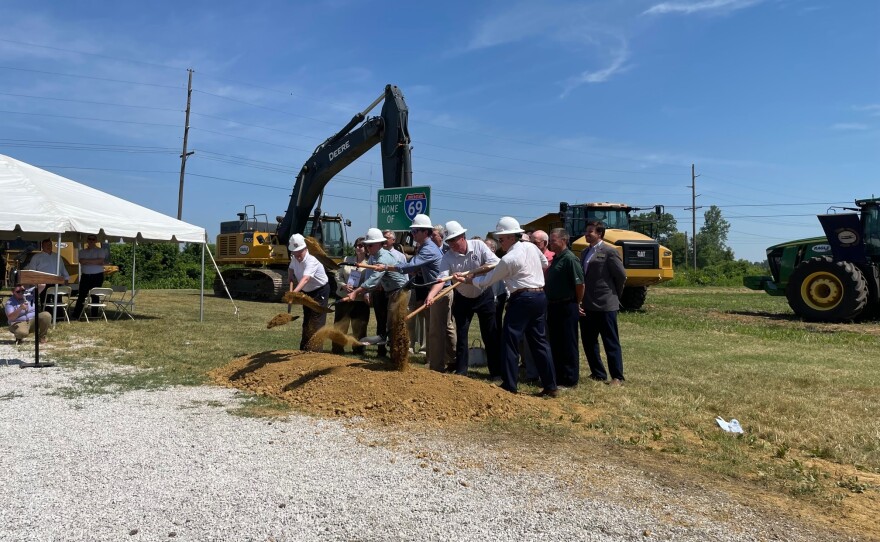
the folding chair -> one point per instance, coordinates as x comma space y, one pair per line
103, 295
54, 304
123, 306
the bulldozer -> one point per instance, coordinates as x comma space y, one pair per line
646, 261
833, 278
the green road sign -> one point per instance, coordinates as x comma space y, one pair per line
398, 206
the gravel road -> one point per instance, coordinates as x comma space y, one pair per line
175, 464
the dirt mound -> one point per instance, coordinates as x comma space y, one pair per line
327, 384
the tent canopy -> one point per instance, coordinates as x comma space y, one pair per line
39, 204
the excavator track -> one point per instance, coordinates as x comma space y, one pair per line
253, 284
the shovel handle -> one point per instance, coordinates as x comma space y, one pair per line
442, 293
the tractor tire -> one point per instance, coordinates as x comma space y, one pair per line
823, 290
633, 297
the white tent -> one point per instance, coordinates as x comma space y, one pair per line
37, 204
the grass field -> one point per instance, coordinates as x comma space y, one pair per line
807, 395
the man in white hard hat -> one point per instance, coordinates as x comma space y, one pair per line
391, 282
425, 266
306, 274
522, 270
468, 255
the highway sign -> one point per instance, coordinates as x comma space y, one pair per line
398, 206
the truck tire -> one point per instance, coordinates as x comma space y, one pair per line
633, 297
823, 290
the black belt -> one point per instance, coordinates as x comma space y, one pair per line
522, 290
557, 301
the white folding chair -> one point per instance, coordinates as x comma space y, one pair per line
124, 305
59, 302
102, 295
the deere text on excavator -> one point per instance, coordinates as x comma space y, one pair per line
259, 254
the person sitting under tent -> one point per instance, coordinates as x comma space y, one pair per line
21, 314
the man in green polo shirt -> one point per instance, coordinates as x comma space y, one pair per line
565, 291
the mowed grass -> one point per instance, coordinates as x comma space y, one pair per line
807, 395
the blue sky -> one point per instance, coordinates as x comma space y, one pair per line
514, 106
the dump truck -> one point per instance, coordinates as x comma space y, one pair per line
646, 261
832, 278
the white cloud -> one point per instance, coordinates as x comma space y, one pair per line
616, 65
688, 8
872, 109
849, 126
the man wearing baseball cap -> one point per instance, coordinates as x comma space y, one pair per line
307, 272
463, 256
522, 270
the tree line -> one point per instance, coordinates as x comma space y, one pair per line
716, 263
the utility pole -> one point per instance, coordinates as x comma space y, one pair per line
693, 209
184, 154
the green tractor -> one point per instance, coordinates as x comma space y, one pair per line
833, 278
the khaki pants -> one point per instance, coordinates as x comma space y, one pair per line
441, 335
22, 329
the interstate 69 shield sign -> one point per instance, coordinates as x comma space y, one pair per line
397, 207
415, 204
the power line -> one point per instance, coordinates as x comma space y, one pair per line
275, 110
45, 72
91, 119
145, 63
89, 102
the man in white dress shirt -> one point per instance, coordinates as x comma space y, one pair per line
522, 270
307, 275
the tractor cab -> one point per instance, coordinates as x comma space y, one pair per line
871, 226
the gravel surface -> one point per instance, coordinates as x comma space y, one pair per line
175, 464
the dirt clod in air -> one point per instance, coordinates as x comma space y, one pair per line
280, 319
330, 333
299, 298
398, 335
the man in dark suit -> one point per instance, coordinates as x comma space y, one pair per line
604, 276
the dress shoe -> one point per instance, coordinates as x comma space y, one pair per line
615, 382
548, 393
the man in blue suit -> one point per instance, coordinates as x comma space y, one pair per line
604, 277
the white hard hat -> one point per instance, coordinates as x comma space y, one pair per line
374, 235
507, 225
297, 243
422, 221
453, 229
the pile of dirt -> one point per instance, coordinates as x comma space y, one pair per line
331, 385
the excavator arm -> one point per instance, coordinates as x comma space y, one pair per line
350, 143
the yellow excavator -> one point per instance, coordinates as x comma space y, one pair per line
646, 261
257, 250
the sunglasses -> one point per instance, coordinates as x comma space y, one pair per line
360, 246
18, 291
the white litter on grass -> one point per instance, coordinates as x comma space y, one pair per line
731, 427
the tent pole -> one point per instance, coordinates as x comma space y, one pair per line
202, 295
133, 261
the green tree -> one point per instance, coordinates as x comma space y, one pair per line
661, 228
712, 246
161, 265
677, 243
